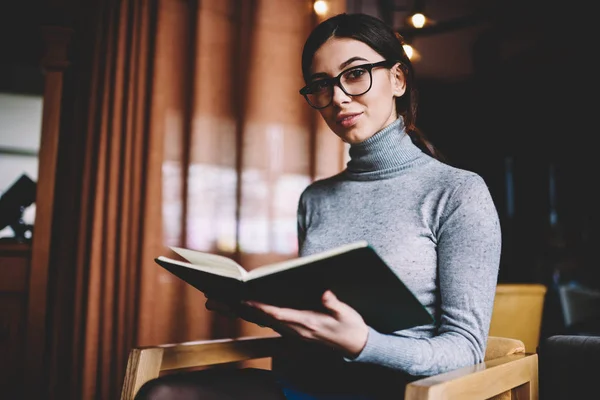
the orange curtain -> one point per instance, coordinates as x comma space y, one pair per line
120, 223
194, 135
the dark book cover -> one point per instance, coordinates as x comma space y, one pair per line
359, 277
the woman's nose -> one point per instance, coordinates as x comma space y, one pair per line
339, 96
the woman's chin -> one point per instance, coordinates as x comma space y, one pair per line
353, 140
354, 136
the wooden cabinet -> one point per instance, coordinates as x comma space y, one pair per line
14, 281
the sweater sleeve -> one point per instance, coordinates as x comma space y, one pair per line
468, 252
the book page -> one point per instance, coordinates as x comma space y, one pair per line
219, 270
288, 264
211, 261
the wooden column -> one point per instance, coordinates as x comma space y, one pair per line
54, 63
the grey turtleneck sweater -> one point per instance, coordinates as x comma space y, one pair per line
438, 229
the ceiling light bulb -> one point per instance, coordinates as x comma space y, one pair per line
412, 53
408, 50
321, 7
418, 20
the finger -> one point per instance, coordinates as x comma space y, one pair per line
332, 303
287, 315
254, 315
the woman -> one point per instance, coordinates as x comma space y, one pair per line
435, 225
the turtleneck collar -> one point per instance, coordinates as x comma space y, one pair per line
384, 154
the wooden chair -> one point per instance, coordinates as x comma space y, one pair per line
507, 370
517, 313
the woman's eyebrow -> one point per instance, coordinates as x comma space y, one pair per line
342, 66
351, 60
318, 75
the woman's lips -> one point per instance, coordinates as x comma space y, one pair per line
349, 120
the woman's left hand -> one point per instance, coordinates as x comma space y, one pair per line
340, 327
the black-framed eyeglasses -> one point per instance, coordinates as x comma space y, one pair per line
354, 81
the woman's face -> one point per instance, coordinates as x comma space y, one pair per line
357, 118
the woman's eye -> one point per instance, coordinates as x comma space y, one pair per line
355, 74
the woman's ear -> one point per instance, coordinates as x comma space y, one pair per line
398, 81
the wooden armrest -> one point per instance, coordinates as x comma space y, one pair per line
146, 363
219, 351
516, 372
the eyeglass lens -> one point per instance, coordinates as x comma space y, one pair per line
353, 82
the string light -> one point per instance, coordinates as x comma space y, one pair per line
417, 16
321, 7
408, 49
411, 52
418, 20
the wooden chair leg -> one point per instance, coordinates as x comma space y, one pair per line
529, 390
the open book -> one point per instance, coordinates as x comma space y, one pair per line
354, 272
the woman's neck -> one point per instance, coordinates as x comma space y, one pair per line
387, 150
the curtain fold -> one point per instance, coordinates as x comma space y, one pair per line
120, 223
